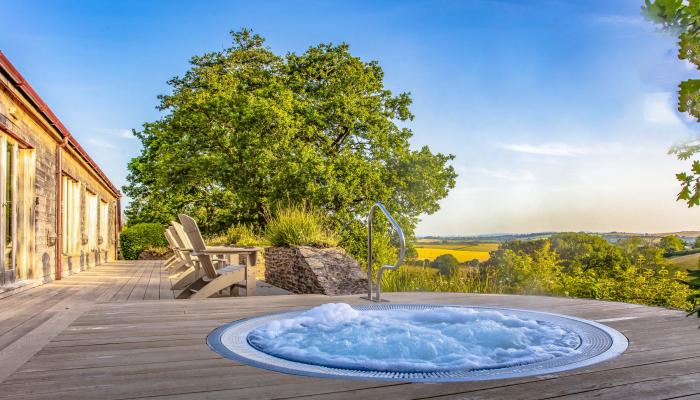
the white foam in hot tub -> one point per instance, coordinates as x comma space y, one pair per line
425, 340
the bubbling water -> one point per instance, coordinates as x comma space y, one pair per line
422, 340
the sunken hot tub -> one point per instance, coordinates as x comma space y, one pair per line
416, 342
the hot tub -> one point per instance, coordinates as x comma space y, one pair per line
416, 342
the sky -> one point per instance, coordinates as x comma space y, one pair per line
560, 114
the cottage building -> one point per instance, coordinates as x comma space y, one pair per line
59, 213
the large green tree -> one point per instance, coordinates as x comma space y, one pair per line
682, 18
672, 243
246, 129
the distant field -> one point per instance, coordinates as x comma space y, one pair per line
462, 251
460, 246
682, 263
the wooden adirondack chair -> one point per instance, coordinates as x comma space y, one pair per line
176, 262
191, 271
213, 280
170, 262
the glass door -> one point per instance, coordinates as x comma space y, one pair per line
8, 214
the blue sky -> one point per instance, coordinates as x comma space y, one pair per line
560, 113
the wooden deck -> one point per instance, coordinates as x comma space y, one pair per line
115, 332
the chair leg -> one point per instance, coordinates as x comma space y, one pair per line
187, 278
169, 261
177, 267
250, 280
221, 282
192, 288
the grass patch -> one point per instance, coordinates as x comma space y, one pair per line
683, 263
299, 225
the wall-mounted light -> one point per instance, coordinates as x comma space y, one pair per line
12, 111
51, 239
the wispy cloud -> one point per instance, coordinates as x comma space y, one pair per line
102, 143
126, 134
548, 149
513, 176
658, 108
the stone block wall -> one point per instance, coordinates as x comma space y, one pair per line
309, 270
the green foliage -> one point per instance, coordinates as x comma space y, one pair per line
423, 280
237, 235
243, 235
581, 250
683, 19
299, 226
683, 252
672, 244
633, 271
694, 283
446, 263
696, 244
137, 238
156, 251
246, 128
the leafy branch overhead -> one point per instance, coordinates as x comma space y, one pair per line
682, 18
245, 129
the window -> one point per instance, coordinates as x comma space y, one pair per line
104, 224
16, 192
91, 220
70, 209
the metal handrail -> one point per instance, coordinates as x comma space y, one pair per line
402, 252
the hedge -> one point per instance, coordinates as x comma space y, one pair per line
137, 238
681, 253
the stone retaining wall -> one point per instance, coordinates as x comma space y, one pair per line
310, 270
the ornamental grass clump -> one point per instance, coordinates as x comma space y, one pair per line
244, 235
299, 225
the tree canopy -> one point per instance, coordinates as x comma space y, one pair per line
245, 129
446, 263
672, 243
682, 18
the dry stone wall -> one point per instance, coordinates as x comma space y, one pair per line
310, 270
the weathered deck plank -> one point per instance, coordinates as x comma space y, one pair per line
118, 346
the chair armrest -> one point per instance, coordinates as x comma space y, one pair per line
227, 250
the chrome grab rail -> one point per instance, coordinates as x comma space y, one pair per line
402, 252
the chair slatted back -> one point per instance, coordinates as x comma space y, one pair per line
173, 244
170, 240
192, 232
186, 245
179, 237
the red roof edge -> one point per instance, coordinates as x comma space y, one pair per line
34, 98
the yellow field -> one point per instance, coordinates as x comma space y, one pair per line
463, 251
460, 246
431, 253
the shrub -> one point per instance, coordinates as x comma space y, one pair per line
682, 252
299, 226
672, 244
137, 238
446, 263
